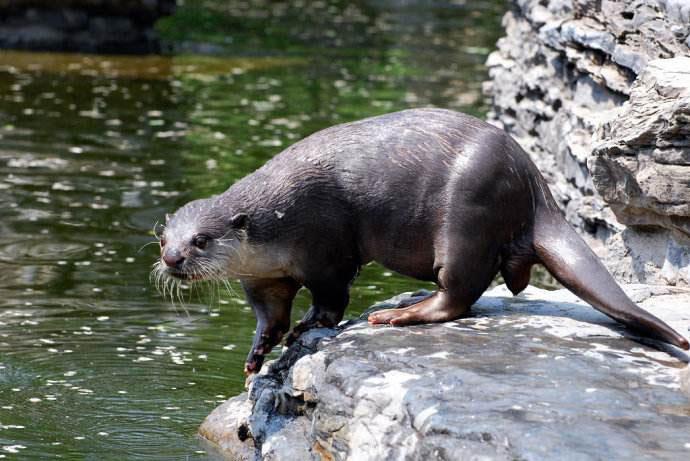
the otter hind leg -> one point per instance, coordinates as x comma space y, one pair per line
460, 279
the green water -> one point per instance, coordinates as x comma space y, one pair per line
94, 364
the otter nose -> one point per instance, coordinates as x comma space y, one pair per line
173, 258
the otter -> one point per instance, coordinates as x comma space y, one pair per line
430, 193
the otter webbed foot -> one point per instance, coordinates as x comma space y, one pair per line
436, 308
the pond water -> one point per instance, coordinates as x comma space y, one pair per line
94, 150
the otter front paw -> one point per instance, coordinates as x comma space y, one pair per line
262, 346
252, 367
302, 327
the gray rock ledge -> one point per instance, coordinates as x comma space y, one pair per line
537, 376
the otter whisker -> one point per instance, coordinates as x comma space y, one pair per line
210, 273
163, 286
156, 275
147, 244
181, 299
222, 237
235, 252
167, 285
170, 283
171, 289
154, 231
174, 287
162, 281
229, 289
152, 274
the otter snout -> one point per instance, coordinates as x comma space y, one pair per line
173, 258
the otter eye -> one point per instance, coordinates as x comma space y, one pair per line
200, 241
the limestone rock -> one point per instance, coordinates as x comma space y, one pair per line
685, 380
641, 163
565, 68
527, 377
226, 427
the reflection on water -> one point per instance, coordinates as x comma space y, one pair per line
149, 67
95, 149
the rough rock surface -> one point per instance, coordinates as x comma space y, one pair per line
564, 69
103, 26
641, 160
536, 376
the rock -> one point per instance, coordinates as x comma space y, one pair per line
526, 377
685, 380
640, 164
564, 69
227, 426
641, 157
677, 10
104, 26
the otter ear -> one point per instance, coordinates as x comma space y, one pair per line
239, 221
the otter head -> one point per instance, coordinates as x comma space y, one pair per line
201, 241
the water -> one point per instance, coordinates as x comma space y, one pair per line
94, 364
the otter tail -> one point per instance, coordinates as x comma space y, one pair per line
570, 260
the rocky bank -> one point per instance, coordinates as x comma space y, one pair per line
537, 376
95, 26
598, 92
